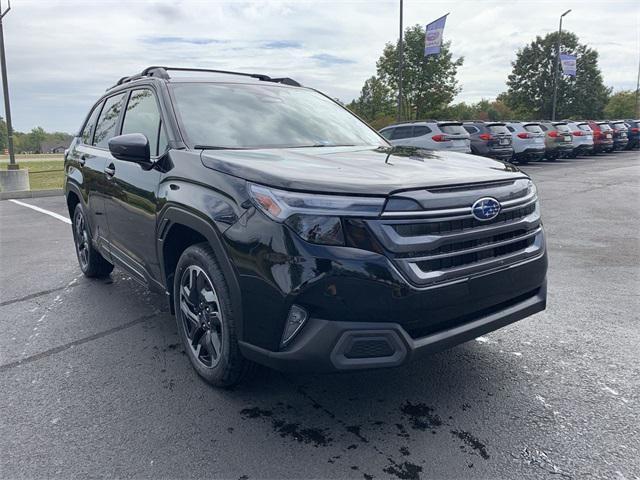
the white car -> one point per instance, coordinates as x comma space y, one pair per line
429, 134
582, 138
527, 140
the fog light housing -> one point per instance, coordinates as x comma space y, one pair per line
295, 320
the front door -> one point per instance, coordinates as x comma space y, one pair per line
131, 210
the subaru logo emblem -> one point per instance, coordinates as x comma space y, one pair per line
485, 209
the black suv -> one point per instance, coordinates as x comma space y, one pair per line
285, 231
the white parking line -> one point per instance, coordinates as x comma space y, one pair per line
42, 210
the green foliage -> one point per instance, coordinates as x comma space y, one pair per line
531, 80
483, 110
3, 135
622, 105
36, 141
429, 84
374, 101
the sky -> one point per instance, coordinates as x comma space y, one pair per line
62, 55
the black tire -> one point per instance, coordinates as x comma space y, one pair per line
92, 263
206, 318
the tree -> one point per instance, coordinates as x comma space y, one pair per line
531, 80
621, 105
429, 83
4, 138
374, 100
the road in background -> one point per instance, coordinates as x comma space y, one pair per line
95, 382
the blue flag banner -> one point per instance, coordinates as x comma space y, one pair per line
433, 36
568, 64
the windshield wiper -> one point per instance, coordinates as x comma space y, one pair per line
215, 147
318, 145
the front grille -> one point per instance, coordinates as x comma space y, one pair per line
448, 243
435, 228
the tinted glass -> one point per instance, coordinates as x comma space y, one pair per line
533, 128
584, 126
453, 129
142, 116
87, 131
387, 133
543, 128
255, 116
497, 129
420, 131
163, 141
402, 132
470, 129
510, 128
108, 121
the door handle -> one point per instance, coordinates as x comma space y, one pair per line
83, 159
110, 171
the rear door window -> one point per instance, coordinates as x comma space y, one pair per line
402, 132
142, 116
533, 128
420, 131
87, 131
497, 129
453, 129
108, 121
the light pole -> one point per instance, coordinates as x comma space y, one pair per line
556, 69
400, 66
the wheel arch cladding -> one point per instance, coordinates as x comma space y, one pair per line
178, 230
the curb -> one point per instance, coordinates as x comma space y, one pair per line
31, 194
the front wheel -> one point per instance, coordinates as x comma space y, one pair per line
206, 318
92, 263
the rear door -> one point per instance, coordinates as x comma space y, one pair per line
131, 209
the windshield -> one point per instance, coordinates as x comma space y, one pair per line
261, 116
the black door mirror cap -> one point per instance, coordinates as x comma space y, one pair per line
131, 147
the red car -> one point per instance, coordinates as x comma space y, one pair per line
602, 136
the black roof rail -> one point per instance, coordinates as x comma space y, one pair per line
162, 72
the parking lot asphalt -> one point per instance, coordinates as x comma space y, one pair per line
94, 382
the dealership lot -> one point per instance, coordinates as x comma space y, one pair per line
94, 381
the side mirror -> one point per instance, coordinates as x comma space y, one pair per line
131, 147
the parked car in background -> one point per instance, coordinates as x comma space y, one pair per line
633, 134
620, 137
490, 139
582, 138
558, 140
527, 141
602, 136
429, 134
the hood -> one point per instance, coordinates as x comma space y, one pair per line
357, 170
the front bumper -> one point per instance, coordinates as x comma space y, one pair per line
463, 311
326, 346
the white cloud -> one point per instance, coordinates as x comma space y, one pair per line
63, 54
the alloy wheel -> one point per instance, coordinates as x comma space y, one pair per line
201, 316
82, 241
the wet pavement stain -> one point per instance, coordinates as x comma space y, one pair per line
405, 451
472, 442
402, 432
314, 436
421, 416
255, 412
404, 470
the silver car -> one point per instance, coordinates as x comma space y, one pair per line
527, 141
429, 134
582, 138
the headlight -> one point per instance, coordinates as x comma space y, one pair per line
316, 218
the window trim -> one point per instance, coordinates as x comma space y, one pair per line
96, 107
129, 92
